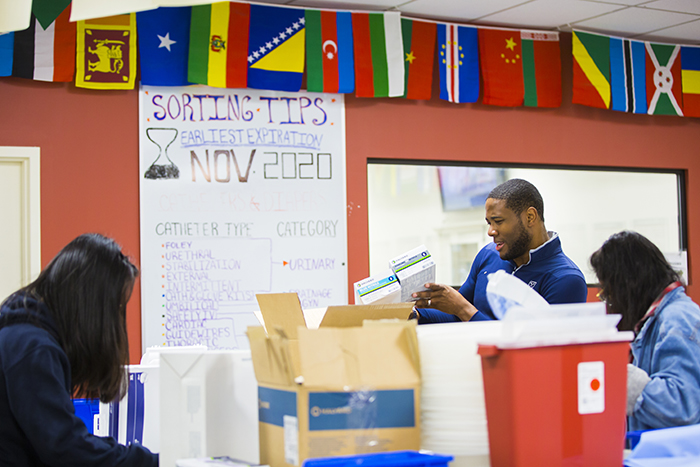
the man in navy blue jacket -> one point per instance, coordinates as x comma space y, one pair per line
521, 246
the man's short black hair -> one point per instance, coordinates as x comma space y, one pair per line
519, 195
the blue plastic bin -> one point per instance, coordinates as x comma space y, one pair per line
86, 409
383, 459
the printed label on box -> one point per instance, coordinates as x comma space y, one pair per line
591, 387
291, 440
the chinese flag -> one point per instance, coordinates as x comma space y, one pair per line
501, 66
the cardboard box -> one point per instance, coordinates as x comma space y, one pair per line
208, 406
337, 390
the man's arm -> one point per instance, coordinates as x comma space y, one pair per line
568, 288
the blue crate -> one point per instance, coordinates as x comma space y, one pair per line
86, 409
383, 459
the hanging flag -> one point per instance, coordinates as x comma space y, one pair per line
330, 66
500, 53
164, 44
46, 11
46, 54
106, 53
419, 51
591, 53
276, 48
628, 76
7, 46
458, 62
218, 51
379, 55
690, 77
664, 87
541, 69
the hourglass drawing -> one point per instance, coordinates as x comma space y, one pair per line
162, 167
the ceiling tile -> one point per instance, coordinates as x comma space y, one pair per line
685, 33
682, 6
620, 2
634, 21
371, 5
550, 13
456, 10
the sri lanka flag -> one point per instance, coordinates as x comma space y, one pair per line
459, 63
690, 75
330, 64
276, 48
591, 53
219, 45
628, 75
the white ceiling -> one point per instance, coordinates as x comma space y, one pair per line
676, 21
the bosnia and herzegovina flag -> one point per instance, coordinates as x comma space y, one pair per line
690, 76
628, 75
591, 53
218, 53
276, 48
164, 44
330, 64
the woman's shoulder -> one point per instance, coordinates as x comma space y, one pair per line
679, 312
22, 339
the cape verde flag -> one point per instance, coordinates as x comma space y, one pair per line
459, 63
164, 44
276, 48
628, 76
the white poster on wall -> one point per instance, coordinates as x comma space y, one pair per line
241, 192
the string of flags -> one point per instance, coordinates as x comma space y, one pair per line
241, 45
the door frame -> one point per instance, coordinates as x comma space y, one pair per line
29, 159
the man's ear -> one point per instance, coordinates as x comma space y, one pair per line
531, 216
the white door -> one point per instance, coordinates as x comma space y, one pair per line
20, 220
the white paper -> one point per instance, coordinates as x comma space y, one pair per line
15, 15
89, 9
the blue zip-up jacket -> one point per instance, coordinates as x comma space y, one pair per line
549, 272
668, 349
38, 426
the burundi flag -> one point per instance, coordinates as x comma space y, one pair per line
628, 76
500, 52
591, 53
541, 68
106, 53
218, 51
459, 63
330, 63
664, 87
7, 46
379, 55
46, 54
690, 76
419, 51
276, 48
164, 45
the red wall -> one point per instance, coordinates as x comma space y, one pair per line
89, 154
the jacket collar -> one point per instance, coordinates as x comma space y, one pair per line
546, 250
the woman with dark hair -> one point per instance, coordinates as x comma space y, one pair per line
663, 383
65, 334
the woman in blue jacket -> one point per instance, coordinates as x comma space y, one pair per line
638, 283
65, 334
